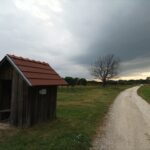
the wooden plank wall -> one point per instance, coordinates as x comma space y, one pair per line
19, 108
6, 72
43, 107
14, 99
28, 106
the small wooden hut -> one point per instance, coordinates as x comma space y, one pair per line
28, 91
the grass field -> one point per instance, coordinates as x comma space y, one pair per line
79, 113
144, 92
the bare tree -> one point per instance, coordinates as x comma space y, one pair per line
105, 68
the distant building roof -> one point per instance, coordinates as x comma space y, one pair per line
35, 73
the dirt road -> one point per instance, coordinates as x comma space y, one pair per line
128, 124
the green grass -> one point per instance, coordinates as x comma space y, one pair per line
144, 92
80, 111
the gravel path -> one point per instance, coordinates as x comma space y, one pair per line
128, 124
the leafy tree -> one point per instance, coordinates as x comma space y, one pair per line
69, 80
83, 81
75, 81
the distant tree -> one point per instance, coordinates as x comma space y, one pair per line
70, 81
83, 81
75, 81
148, 78
105, 68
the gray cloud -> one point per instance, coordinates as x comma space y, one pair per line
71, 34
124, 31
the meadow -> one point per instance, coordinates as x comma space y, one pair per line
80, 111
144, 92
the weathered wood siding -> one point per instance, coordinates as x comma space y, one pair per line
19, 99
27, 105
42, 107
6, 72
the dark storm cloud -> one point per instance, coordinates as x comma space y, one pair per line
73, 33
118, 27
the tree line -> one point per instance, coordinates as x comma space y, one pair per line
104, 68
75, 81
82, 81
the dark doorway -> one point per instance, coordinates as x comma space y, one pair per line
5, 102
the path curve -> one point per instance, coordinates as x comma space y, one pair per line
128, 124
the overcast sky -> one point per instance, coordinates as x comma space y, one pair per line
71, 34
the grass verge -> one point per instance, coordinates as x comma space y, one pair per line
144, 92
80, 111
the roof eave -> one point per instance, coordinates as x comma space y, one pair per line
63, 84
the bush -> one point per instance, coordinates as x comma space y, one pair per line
75, 81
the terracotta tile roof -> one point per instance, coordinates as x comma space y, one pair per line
36, 73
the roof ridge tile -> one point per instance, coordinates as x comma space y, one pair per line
27, 59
